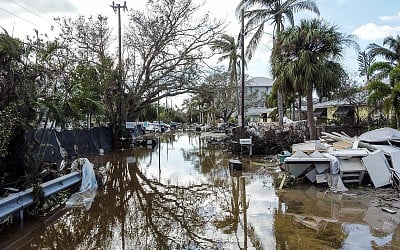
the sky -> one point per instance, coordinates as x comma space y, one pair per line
370, 20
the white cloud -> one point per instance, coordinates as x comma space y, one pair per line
340, 2
371, 31
390, 18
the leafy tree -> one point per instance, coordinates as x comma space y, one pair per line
308, 54
86, 92
91, 86
19, 91
49, 83
261, 13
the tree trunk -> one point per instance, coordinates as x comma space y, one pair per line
300, 107
293, 111
279, 94
280, 107
310, 116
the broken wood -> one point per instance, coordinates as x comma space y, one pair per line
283, 181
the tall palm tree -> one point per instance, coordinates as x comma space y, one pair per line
227, 47
386, 69
271, 12
309, 54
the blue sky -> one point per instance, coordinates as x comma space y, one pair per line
370, 20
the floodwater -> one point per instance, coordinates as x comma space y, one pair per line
182, 195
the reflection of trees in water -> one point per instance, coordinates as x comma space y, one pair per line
204, 156
134, 211
235, 204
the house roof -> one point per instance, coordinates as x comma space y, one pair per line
260, 82
359, 97
257, 111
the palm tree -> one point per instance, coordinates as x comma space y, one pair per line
274, 12
308, 54
387, 69
227, 47
391, 54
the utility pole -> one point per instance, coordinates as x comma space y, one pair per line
242, 69
117, 8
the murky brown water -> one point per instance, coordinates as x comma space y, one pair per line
181, 195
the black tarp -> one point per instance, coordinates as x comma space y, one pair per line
77, 143
84, 142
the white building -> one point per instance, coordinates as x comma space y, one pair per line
261, 87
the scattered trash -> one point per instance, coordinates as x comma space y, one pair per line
87, 192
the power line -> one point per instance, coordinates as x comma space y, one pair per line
33, 6
26, 9
17, 16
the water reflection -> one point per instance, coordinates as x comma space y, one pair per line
182, 195
312, 218
179, 195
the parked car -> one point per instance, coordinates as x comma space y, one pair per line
226, 126
153, 127
173, 125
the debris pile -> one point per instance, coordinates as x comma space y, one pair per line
268, 140
339, 159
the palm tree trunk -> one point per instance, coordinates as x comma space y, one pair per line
310, 116
280, 107
279, 92
293, 111
237, 94
299, 107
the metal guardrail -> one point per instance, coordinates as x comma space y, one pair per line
18, 201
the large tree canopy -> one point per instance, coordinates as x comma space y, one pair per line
166, 46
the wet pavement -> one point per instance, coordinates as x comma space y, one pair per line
182, 195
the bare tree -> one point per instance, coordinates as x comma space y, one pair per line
166, 46
224, 94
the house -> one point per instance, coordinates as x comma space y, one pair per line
257, 89
345, 110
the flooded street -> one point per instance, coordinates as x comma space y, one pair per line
182, 195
